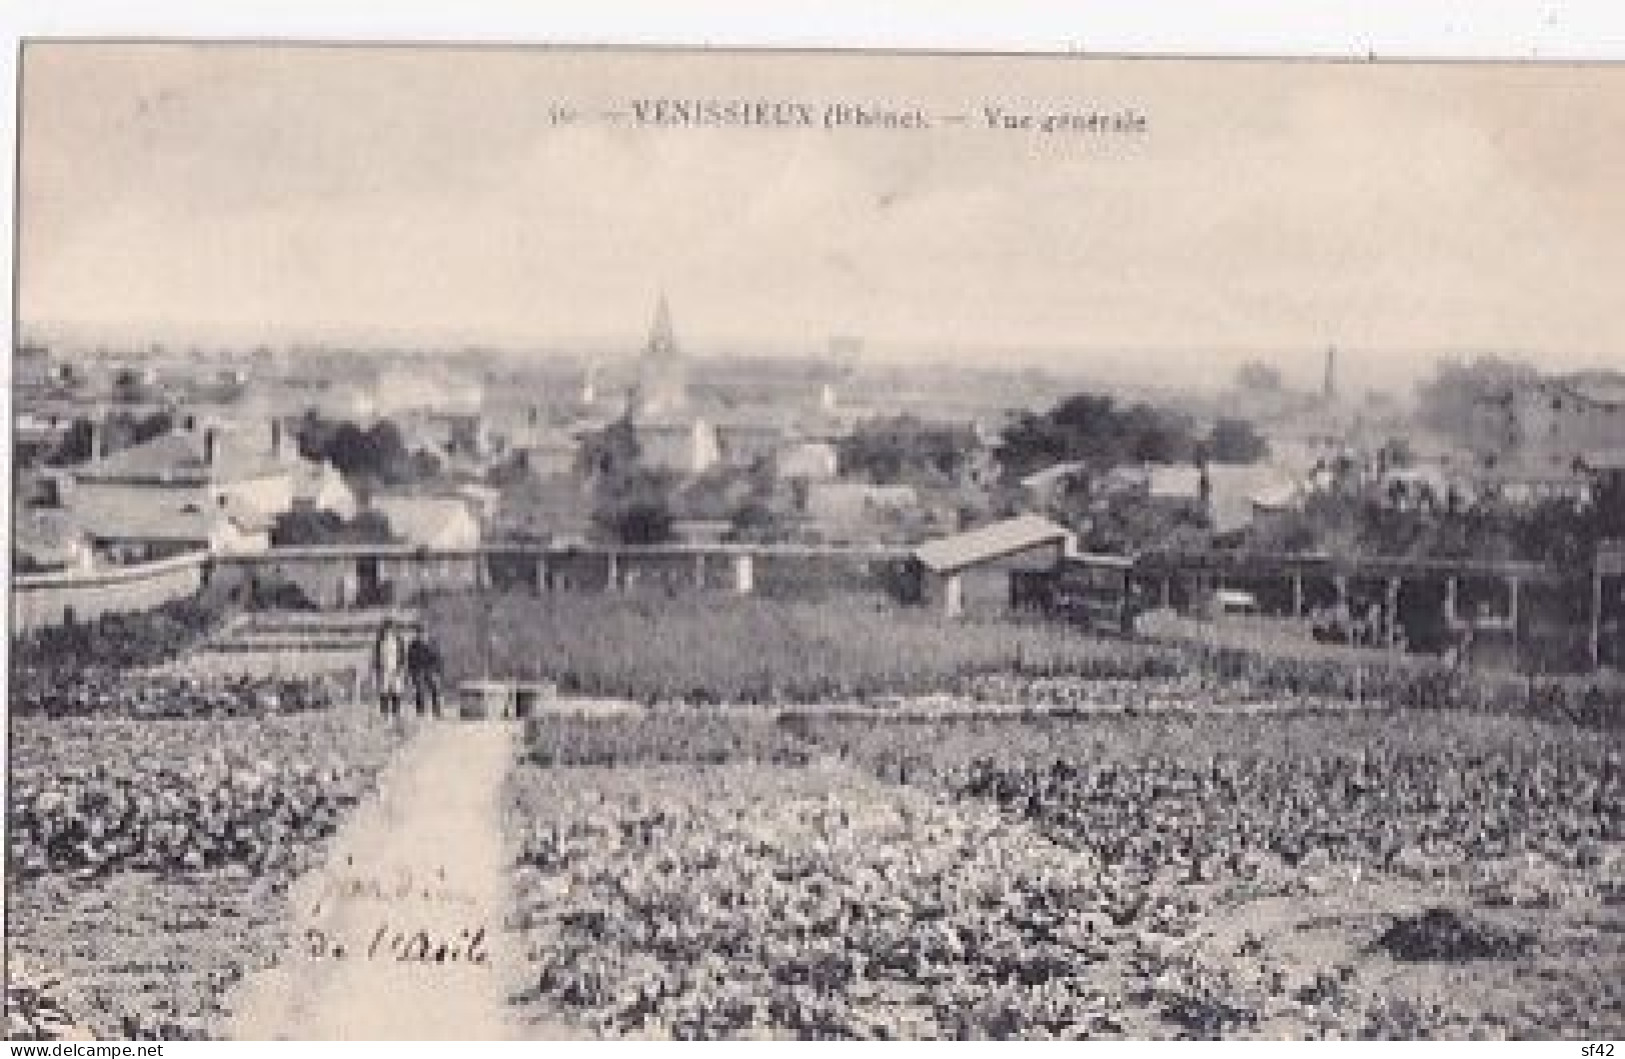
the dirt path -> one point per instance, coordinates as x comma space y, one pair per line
400, 936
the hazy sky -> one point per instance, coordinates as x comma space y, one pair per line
258, 194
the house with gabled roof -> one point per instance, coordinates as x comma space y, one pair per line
200, 485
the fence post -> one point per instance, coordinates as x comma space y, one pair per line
1393, 612
1512, 609
1596, 617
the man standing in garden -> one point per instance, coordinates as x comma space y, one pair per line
389, 668
423, 665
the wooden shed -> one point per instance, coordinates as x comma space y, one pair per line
979, 570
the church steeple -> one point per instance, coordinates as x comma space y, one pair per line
661, 337
662, 374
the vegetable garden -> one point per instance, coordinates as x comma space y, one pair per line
1137, 877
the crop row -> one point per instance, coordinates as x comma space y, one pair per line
1048, 877
119, 641
97, 795
1198, 799
702, 650
733, 901
154, 695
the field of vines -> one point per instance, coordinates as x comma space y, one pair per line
724, 649
1419, 875
700, 649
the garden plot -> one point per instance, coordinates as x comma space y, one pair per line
1089, 878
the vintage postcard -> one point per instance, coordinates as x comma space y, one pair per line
532, 543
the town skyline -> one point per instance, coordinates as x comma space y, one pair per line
1200, 369
416, 198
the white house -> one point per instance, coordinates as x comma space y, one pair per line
816, 461
320, 487
433, 522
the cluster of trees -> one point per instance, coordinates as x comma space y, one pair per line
1559, 531
375, 455
631, 503
636, 504
905, 450
1103, 433
120, 430
1452, 401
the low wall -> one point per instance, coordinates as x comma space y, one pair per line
334, 577
40, 601
1554, 609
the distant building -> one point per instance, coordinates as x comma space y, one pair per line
1526, 484
1607, 470
670, 435
395, 392
433, 522
168, 523
48, 539
460, 435
546, 509
857, 512
200, 485
1230, 496
813, 461
207, 461
31, 369
320, 487
1049, 484
685, 445
547, 452
743, 443
1552, 421
35, 436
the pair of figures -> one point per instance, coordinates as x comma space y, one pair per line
399, 658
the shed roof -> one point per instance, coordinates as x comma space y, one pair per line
993, 541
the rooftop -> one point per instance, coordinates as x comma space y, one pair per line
993, 541
179, 458
187, 517
420, 516
1603, 387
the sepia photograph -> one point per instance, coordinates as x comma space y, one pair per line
541, 543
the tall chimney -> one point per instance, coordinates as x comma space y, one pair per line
276, 437
209, 441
